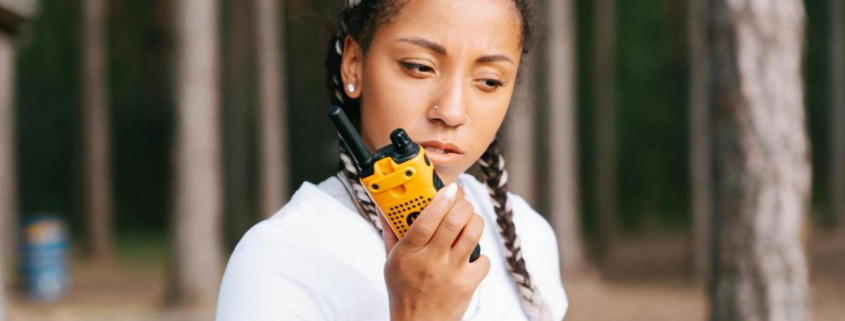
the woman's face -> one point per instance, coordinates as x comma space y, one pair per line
460, 56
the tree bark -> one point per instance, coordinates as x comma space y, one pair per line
97, 198
761, 159
700, 165
563, 132
273, 106
604, 95
836, 81
8, 197
520, 136
197, 251
239, 49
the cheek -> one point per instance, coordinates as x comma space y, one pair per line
485, 124
486, 116
491, 121
390, 100
488, 110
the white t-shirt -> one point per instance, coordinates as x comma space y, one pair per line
318, 259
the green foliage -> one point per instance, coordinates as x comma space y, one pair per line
48, 100
651, 110
47, 112
651, 115
142, 111
816, 94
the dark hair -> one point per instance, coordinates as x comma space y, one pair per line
360, 19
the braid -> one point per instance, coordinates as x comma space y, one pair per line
492, 165
365, 203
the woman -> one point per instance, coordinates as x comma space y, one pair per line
444, 70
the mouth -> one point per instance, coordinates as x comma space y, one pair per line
442, 153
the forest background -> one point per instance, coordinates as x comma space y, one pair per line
632, 133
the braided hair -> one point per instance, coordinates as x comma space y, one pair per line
359, 20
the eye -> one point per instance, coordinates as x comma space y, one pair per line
416, 68
490, 84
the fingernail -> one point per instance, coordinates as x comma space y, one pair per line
451, 190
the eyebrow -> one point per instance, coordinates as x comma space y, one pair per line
425, 44
493, 58
439, 49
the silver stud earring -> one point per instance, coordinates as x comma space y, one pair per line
350, 88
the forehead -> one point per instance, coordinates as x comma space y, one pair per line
479, 24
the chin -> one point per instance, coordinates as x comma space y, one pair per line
448, 173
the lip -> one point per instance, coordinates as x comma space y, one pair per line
454, 152
447, 146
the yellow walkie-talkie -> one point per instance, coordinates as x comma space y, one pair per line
399, 177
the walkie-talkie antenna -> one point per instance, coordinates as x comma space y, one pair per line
350, 136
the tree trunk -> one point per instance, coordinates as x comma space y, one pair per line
604, 94
519, 134
761, 159
197, 251
699, 139
8, 211
97, 199
239, 49
837, 112
563, 132
272, 102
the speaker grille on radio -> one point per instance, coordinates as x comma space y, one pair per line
398, 214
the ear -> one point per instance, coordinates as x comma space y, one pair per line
351, 67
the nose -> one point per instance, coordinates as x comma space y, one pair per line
450, 103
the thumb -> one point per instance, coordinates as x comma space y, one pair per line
387, 234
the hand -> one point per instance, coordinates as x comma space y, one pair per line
427, 272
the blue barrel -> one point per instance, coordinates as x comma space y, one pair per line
44, 257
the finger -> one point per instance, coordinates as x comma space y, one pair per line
478, 269
469, 238
451, 225
387, 234
460, 194
421, 231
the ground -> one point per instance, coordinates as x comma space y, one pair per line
657, 287
648, 280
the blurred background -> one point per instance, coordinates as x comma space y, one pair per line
135, 131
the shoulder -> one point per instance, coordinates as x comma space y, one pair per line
314, 219
300, 255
